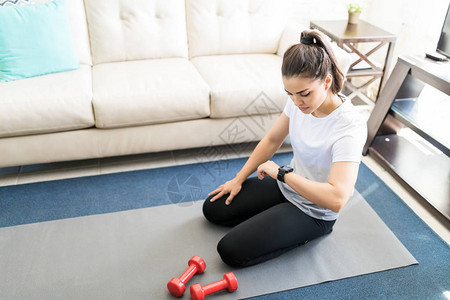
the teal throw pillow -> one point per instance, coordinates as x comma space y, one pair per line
35, 39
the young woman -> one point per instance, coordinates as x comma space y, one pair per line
287, 206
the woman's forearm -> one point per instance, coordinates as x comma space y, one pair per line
265, 149
323, 194
332, 195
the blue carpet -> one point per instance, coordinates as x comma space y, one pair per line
38, 202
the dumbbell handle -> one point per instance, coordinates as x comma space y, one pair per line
190, 271
228, 282
215, 287
176, 286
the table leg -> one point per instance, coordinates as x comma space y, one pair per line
384, 103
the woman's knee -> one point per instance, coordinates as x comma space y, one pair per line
230, 252
217, 212
210, 211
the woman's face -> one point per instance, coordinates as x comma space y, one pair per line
307, 94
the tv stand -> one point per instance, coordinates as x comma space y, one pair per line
408, 130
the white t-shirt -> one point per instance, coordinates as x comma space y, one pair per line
317, 143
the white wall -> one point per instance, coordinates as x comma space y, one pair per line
303, 11
416, 23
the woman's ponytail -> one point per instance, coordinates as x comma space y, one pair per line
313, 58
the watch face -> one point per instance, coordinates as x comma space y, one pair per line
283, 170
287, 169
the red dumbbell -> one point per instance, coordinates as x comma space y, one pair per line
228, 282
177, 286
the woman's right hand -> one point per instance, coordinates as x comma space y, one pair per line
232, 187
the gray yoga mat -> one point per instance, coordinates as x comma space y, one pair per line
133, 254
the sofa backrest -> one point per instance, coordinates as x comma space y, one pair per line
123, 30
233, 26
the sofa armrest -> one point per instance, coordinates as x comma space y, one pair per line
291, 36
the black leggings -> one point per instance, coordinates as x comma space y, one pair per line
266, 225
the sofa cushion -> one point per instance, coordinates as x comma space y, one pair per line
233, 26
49, 103
125, 30
148, 92
248, 84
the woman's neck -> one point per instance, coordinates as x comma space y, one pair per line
332, 102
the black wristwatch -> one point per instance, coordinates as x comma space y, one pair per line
283, 170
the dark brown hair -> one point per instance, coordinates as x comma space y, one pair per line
312, 58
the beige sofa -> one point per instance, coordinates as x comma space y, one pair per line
155, 75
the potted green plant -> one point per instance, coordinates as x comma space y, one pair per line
354, 10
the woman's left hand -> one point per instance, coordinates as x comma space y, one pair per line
269, 168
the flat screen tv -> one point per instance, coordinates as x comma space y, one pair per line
443, 46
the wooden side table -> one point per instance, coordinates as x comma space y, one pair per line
348, 36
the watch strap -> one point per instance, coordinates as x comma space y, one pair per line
282, 171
